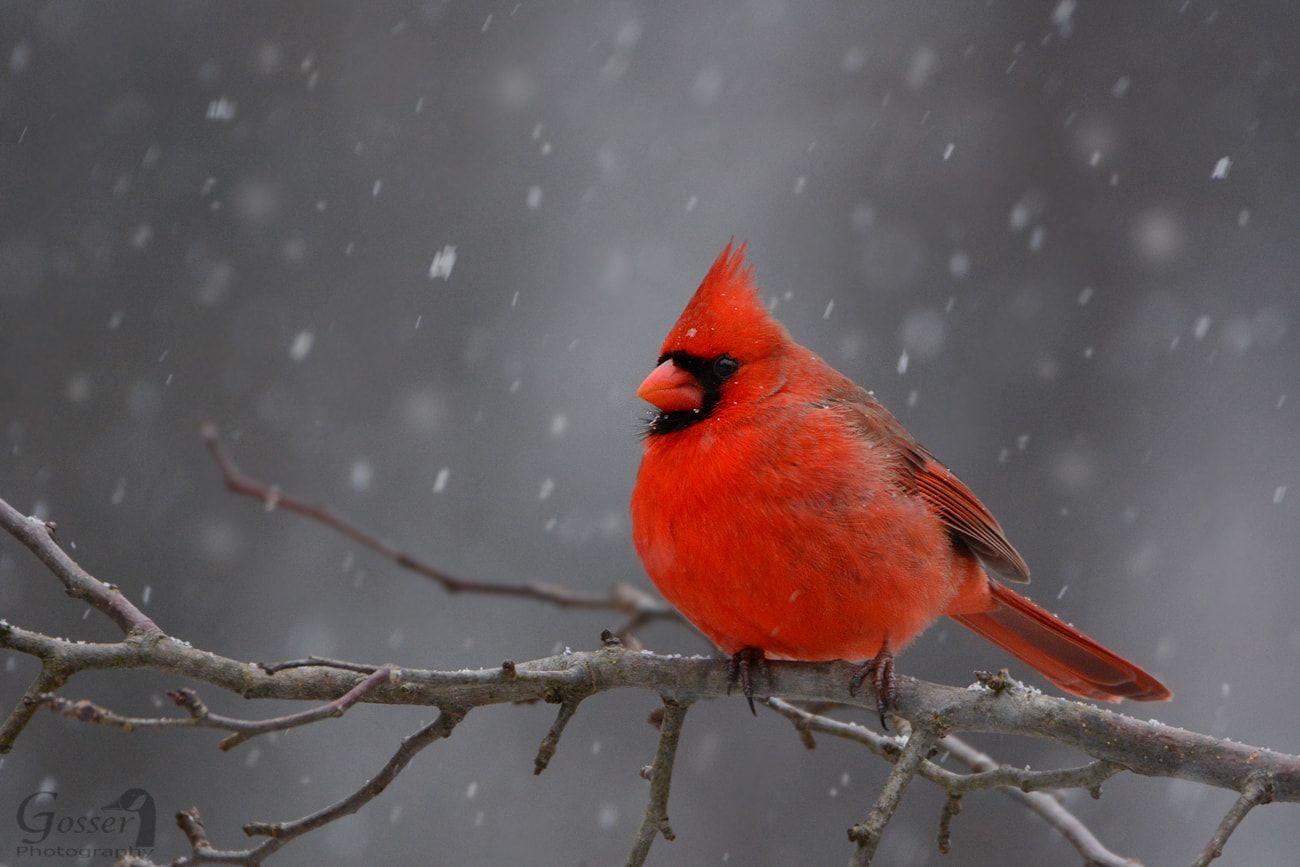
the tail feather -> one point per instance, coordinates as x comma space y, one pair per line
1061, 653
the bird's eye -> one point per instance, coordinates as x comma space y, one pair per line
724, 366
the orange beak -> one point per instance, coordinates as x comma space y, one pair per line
671, 389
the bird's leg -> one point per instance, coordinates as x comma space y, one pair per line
739, 670
881, 672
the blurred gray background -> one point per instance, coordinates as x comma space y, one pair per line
1058, 239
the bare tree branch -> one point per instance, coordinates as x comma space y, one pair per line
49, 679
38, 537
1113, 740
661, 780
639, 607
1147, 748
1257, 791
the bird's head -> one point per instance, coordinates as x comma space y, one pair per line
726, 349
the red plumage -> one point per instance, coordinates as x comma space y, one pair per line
780, 507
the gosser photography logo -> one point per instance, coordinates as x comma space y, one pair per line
48, 828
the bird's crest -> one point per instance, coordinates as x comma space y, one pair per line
726, 314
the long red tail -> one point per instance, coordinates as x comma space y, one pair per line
1061, 653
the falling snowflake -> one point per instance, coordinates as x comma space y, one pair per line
222, 109
443, 261
302, 344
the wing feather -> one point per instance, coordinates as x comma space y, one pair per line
921, 473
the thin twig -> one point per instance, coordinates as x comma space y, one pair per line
661, 780
279, 834
201, 717
987, 776
1068, 825
1258, 791
38, 537
48, 680
868, 832
191, 825
550, 743
805, 721
640, 607
436, 730
1088, 776
951, 808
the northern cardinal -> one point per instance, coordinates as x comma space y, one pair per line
788, 515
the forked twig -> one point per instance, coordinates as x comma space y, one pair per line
279, 834
201, 717
867, 833
1018, 784
639, 607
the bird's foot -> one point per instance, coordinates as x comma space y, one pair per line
740, 671
881, 672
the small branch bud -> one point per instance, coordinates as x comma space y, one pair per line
998, 681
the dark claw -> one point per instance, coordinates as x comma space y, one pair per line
740, 670
881, 672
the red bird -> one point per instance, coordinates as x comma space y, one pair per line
788, 515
